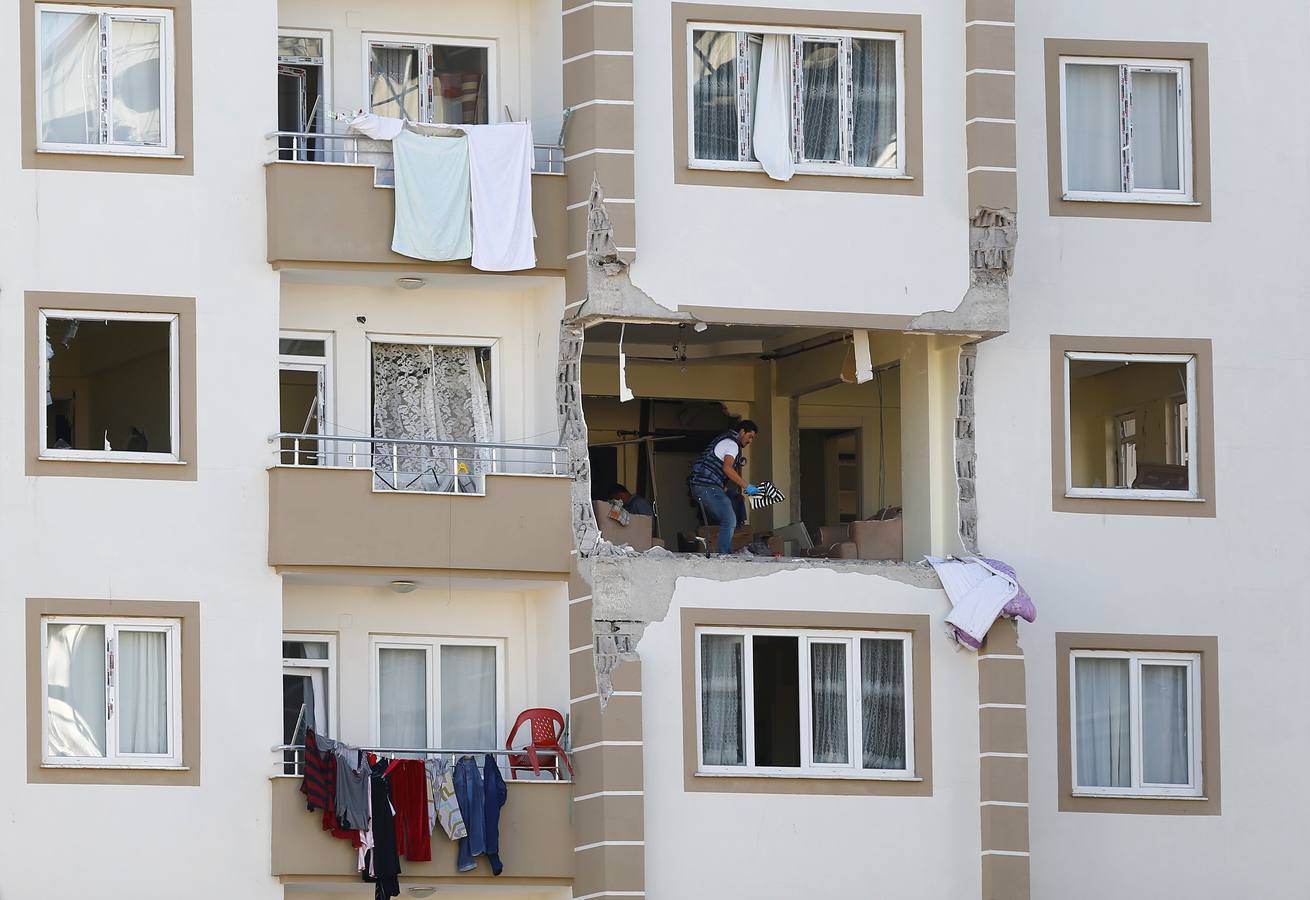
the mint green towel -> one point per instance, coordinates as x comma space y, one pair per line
433, 212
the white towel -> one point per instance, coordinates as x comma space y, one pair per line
500, 164
380, 128
977, 591
772, 135
432, 197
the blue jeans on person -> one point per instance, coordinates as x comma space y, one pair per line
469, 793
725, 511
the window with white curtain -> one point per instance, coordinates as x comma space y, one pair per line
105, 79
1136, 723
309, 701
1126, 129
112, 691
421, 81
818, 101
833, 704
435, 692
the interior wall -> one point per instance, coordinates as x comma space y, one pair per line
856, 406
1143, 389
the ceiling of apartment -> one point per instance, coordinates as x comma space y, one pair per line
716, 341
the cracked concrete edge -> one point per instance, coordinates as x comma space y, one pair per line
966, 456
985, 308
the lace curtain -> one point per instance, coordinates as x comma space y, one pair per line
714, 94
828, 686
873, 82
882, 703
722, 736
430, 393
820, 100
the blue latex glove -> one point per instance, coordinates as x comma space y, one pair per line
751, 490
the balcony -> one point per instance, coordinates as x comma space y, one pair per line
331, 205
536, 837
418, 504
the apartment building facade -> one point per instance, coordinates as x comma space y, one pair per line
969, 268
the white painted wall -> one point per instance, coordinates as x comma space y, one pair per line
805, 250
1239, 281
779, 846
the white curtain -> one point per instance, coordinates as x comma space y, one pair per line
714, 94
722, 734
70, 78
430, 393
393, 74
402, 697
1165, 741
771, 130
142, 691
828, 703
468, 697
1091, 110
136, 99
1155, 130
882, 703
75, 690
820, 100
873, 82
1103, 715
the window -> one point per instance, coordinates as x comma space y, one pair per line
111, 691
420, 81
1126, 129
831, 100
110, 385
309, 700
105, 79
1136, 723
1125, 416
304, 94
832, 704
304, 395
445, 693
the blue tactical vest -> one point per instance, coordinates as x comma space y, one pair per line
708, 468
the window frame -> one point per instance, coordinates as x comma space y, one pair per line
167, 78
295, 362
114, 758
801, 165
1193, 493
174, 455
1182, 68
432, 645
807, 769
329, 665
424, 44
1140, 789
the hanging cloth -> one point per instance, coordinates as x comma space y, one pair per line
500, 163
433, 214
772, 135
380, 128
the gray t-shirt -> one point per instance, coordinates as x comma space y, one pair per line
352, 788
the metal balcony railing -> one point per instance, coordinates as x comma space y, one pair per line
293, 757
329, 147
424, 466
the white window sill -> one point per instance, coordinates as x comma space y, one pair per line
112, 767
1099, 796
112, 459
812, 776
1130, 198
118, 154
801, 169
1127, 494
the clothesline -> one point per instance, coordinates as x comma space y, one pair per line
428, 751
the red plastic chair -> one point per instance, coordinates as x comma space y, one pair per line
547, 729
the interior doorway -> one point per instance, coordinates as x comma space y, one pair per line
829, 476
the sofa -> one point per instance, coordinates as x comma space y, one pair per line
870, 539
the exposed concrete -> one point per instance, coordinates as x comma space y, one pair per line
965, 455
985, 307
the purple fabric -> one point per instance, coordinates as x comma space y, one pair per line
1021, 607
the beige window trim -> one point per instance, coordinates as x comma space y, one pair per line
188, 773
1195, 210
1208, 648
184, 469
909, 184
180, 162
918, 627
1201, 348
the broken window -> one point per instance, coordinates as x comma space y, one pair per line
805, 702
1136, 723
308, 701
463, 675
420, 81
111, 385
104, 79
304, 384
844, 90
301, 106
1129, 428
1126, 129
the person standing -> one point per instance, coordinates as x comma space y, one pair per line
717, 483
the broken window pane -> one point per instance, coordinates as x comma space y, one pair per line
296, 47
1124, 424
110, 385
136, 97
459, 79
777, 701
714, 94
394, 82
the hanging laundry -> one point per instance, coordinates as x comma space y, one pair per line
495, 794
447, 805
321, 767
980, 590
409, 797
500, 161
352, 788
380, 128
383, 864
471, 795
433, 212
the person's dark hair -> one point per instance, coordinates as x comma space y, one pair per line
617, 488
748, 425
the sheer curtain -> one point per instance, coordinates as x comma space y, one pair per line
136, 99
393, 74
882, 703
1165, 742
722, 736
1155, 130
771, 109
468, 697
1091, 123
142, 691
1103, 714
70, 78
403, 697
820, 100
828, 706
714, 94
873, 83
75, 690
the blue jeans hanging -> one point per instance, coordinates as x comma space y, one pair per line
471, 796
